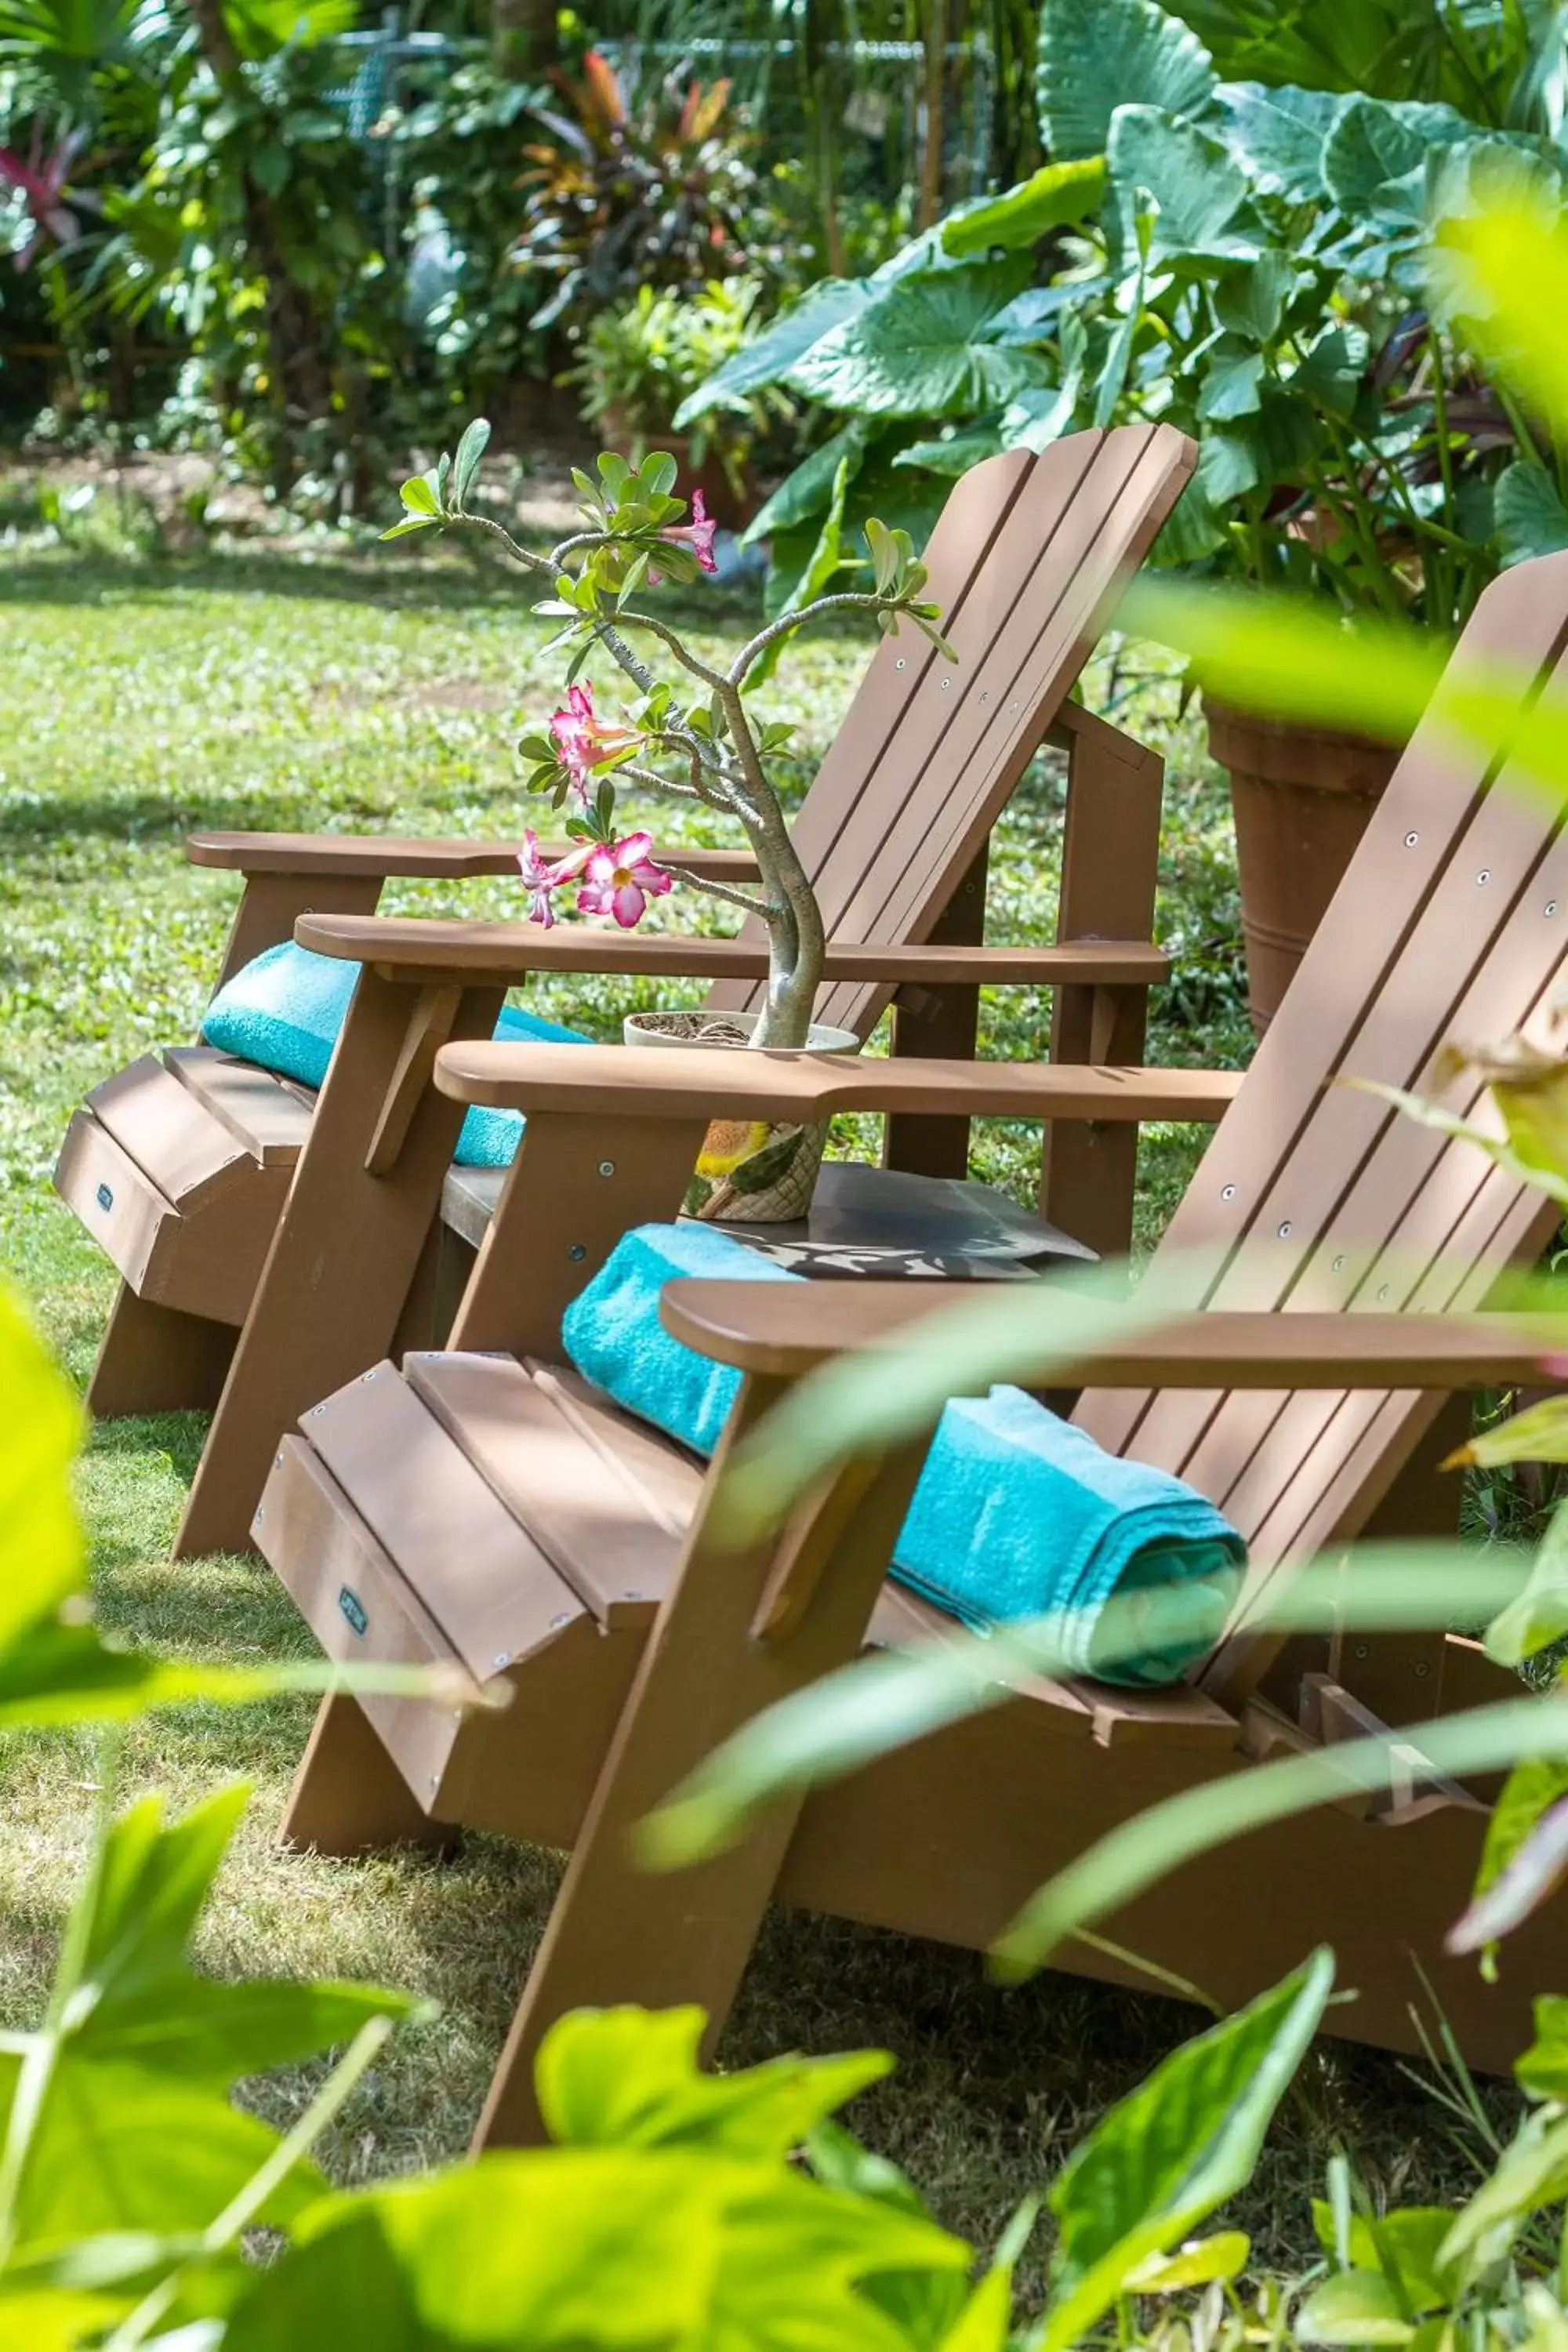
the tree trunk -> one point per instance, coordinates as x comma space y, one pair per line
934, 40
523, 42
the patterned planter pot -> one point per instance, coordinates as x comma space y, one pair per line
749, 1172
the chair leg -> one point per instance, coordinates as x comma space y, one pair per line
155, 1359
713, 1660
349, 1797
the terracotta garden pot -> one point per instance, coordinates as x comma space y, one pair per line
1302, 798
748, 1172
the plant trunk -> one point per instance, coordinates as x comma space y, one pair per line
934, 37
523, 41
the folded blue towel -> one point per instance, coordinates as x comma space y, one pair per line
1017, 1513
285, 1009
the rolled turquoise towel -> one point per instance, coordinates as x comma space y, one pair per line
286, 1008
1017, 1513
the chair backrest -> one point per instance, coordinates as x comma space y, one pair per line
1452, 921
1027, 562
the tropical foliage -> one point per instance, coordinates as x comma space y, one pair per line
1242, 258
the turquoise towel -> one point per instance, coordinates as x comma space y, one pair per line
285, 1009
1017, 1513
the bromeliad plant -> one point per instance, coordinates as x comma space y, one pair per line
690, 736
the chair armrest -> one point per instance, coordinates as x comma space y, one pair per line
408, 854
416, 949
695, 1082
787, 1329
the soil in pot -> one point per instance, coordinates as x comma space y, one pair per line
749, 1172
1301, 797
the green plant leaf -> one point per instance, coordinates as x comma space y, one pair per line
1222, 2256
806, 492
414, 522
816, 574
921, 349
1097, 55
1376, 154
1232, 374
1060, 196
1137, 1853
631, 2249
1277, 136
1531, 2173
418, 495
466, 465
883, 1703
1200, 192
1540, 1433
771, 356
1167, 2156
630, 2078
1353, 2307
40, 1430
1404, 2246
1543, 2070
1529, 517
1539, 1616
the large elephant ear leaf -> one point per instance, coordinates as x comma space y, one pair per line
1060, 196
771, 355
924, 347
1278, 136
1097, 55
1375, 155
1200, 192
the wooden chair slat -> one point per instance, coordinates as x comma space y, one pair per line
1337, 1020
610, 1514
1412, 1190
1041, 644
267, 1114
169, 1134
488, 1584
1049, 603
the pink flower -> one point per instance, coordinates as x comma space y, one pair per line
41, 179
698, 533
540, 879
583, 739
620, 878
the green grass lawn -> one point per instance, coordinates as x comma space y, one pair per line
141, 699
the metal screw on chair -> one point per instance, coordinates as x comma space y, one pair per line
1227, 1191
945, 684
503, 1658
900, 663
1285, 1231
1484, 875
1360, 1650
277, 1462
1422, 1669
556, 1623
1382, 1294
1338, 1266
1411, 839
577, 1253
606, 1167
434, 1782
986, 695
369, 1376
633, 1596
1551, 907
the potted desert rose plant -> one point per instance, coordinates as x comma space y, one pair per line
684, 730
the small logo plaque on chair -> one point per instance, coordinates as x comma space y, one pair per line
353, 1609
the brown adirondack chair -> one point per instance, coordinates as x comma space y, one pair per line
182, 1165
486, 1508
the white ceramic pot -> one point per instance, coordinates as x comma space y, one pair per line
749, 1172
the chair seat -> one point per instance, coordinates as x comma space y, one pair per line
502, 1517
